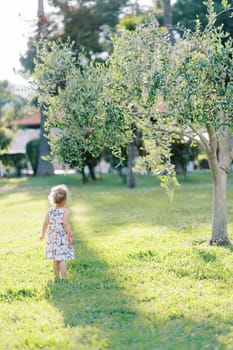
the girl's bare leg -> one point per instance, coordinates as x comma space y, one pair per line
56, 268
63, 269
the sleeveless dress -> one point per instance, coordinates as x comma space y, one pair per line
58, 246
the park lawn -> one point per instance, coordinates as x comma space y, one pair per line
144, 276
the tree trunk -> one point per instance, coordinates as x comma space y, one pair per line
167, 14
167, 18
132, 152
44, 166
220, 165
219, 219
41, 17
92, 172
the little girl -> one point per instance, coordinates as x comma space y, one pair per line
59, 244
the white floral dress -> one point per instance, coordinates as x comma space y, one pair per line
58, 246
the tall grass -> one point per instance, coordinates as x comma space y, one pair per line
144, 276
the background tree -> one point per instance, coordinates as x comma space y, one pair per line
185, 12
163, 13
130, 22
11, 105
70, 88
44, 167
5, 139
88, 23
5, 98
167, 14
183, 152
84, 127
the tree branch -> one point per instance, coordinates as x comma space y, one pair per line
203, 140
212, 138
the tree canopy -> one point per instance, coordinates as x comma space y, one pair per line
11, 105
72, 89
88, 24
85, 21
149, 83
186, 12
193, 79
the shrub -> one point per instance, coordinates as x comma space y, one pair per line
204, 164
14, 160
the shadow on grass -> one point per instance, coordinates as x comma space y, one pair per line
96, 303
93, 299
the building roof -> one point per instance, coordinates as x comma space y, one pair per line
30, 120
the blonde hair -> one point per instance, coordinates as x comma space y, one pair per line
58, 194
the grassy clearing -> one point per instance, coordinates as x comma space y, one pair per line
144, 277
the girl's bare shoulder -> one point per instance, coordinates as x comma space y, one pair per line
66, 212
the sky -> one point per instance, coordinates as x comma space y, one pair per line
18, 20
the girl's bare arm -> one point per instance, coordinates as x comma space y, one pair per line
45, 227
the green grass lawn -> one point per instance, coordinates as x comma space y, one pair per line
144, 276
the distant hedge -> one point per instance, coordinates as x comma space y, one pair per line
204, 164
14, 160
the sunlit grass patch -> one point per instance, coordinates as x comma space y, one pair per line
144, 276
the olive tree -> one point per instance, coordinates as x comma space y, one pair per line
193, 79
71, 88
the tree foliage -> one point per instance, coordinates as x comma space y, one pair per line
85, 21
88, 24
5, 138
73, 90
192, 79
71, 97
186, 12
11, 105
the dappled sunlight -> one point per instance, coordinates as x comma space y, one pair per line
11, 184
